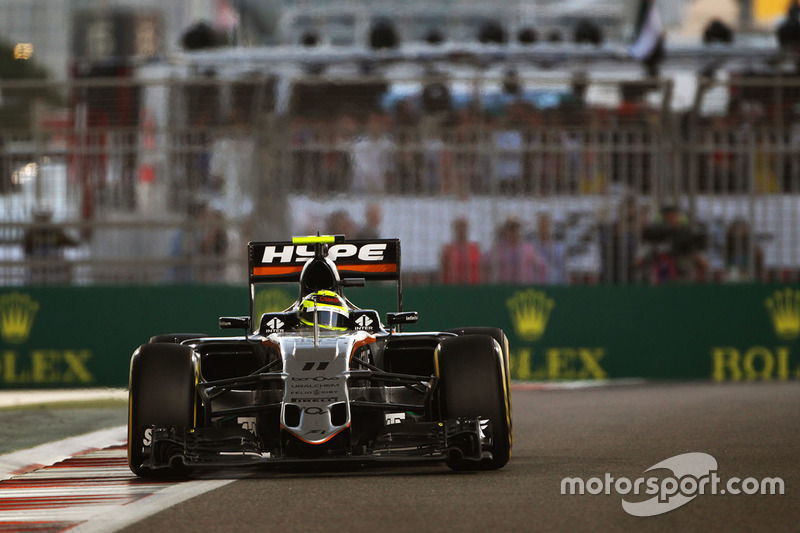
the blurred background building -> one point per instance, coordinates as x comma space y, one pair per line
624, 141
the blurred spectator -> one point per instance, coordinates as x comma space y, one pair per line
232, 167
44, 244
407, 162
335, 163
468, 170
197, 158
744, 260
371, 155
212, 244
552, 252
461, 258
199, 246
677, 250
300, 136
405, 114
619, 245
513, 259
436, 158
507, 158
340, 223
372, 226
573, 156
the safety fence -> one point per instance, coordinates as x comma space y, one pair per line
568, 180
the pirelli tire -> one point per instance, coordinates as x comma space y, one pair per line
500, 336
175, 338
472, 384
161, 392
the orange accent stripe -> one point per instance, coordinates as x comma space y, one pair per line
275, 270
280, 270
383, 267
362, 342
268, 342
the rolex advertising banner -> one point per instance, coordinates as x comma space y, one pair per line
74, 337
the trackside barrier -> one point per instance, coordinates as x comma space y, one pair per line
84, 336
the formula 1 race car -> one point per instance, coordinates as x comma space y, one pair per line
321, 381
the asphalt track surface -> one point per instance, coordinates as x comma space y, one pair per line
751, 429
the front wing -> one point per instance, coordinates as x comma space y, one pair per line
406, 442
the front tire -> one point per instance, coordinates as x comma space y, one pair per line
472, 382
498, 335
162, 392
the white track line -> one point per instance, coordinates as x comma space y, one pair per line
13, 398
122, 516
46, 454
572, 385
94, 491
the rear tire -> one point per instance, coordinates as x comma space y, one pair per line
162, 392
176, 338
472, 384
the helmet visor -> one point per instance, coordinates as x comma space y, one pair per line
328, 317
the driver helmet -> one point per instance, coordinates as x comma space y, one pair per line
332, 313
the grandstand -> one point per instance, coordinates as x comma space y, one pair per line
162, 175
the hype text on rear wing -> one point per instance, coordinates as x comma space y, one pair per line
283, 261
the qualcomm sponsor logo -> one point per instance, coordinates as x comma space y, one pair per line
17, 312
693, 474
292, 254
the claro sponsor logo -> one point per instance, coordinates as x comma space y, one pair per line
18, 312
693, 474
293, 254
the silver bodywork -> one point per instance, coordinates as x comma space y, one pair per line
315, 381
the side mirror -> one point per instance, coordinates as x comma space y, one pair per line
234, 322
406, 317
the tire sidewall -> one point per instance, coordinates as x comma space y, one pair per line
472, 384
500, 336
161, 392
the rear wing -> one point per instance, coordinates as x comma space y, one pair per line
283, 261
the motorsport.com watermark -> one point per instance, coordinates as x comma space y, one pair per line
693, 474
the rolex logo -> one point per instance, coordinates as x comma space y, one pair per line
17, 311
784, 309
530, 310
